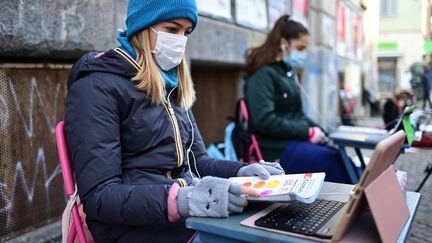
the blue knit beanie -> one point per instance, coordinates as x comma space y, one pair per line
144, 13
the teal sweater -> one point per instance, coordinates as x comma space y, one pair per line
275, 107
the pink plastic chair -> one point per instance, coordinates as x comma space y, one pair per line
254, 147
76, 225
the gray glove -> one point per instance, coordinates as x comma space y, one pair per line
402, 179
262, 169
211, 197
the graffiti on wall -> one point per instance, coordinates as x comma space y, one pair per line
31, 188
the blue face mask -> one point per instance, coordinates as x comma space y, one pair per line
296, 59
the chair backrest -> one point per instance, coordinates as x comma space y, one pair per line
244, 140
77, 226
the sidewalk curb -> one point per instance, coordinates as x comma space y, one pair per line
48, 233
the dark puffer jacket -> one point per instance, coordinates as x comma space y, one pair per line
127, 152
276, 109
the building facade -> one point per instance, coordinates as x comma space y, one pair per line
403, 31
40, 42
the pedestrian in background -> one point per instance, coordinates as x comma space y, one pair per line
137, 152
272, 93
427, 83
394, 106
392, 110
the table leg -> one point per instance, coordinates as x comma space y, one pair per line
362, 162
428, 172
349, 166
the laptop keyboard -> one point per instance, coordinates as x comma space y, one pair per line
300, 217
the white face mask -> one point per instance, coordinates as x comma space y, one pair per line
169, 49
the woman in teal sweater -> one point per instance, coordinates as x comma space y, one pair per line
272, 93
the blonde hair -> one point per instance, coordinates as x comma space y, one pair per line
150, 79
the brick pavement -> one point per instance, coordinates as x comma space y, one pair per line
414, 164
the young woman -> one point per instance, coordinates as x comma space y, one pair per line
137, 153
272, 93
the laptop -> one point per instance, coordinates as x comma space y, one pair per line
329, 218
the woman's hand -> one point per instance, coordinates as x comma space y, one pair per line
213, 197
402, 179
317, 136
262, 169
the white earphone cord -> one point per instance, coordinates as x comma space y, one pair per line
189, 150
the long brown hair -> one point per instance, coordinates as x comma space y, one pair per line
149, 77
269, 50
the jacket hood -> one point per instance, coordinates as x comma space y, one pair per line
112, 61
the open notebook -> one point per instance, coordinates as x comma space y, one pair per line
282, 188
331, 219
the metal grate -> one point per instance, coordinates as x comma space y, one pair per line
31, 186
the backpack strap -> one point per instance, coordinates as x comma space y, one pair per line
67, 215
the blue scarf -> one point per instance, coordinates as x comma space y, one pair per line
170, 77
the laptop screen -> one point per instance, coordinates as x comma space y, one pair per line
401, 126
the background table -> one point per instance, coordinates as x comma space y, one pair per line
342, 140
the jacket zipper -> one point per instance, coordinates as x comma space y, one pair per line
177, 136
181, 181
